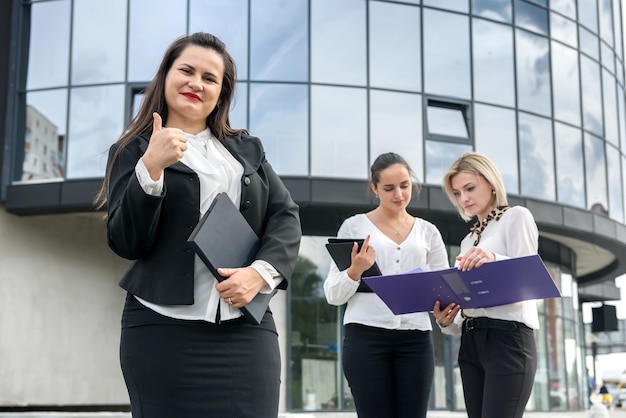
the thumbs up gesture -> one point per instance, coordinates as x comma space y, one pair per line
166, 147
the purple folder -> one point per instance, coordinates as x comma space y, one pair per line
494, 283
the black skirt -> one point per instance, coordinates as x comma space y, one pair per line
176, 368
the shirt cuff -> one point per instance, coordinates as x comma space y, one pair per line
149, 186
269, 274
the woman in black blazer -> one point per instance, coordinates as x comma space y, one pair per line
186, 350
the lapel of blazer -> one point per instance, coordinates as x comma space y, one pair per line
246, 150
178, 166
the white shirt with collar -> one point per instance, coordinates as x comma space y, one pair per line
218, 172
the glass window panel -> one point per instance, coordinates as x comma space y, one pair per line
496, 138
592, 99
338, 132
565, 7
283, 127
621, 112
624, 177
147, 42
398, 67
49, 47
219, 17
531, 17
543, 3
388, 109
493, 9
569, 165
44, 135
588, 14
447, 121
616, 197
494, 79
589, 43
606, 21
239, 107
619, 71
566, 83
98, 43
446, 54
533, 73
608, 57
278, 48
611, 130
563, 29
456, 5
595, 174
96, 121
338, 42
439, 158
536, 157
617, 24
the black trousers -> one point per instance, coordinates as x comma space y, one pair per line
498, 361
194, 369
390, 372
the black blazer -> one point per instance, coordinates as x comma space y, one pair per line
153, 230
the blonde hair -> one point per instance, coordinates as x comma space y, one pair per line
478, 164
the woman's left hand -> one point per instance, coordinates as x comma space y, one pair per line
473, 258
241, 285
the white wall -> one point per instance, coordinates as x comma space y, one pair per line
60, 310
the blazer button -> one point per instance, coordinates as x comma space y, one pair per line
247, 204
246, 180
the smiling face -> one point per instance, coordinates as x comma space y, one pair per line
473, 193
192, 88
394, 188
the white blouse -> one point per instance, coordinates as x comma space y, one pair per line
514, 235
423, 248
218, 172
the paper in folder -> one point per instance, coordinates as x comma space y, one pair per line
223, 238
494, 283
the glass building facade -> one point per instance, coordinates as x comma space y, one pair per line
536, 85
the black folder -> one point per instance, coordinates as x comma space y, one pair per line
224, 239
340, 249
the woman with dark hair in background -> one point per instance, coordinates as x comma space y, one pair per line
186, 350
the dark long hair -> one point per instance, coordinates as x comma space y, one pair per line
386, 160
154, 100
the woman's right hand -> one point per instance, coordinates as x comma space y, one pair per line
362, 259
166, 147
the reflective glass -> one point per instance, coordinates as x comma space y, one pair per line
563, 29
595, 174
621, 112
617, 24
219, 17
588, 14
589, 43
49, 47
446, 54
606, 21
531, 17
447, 122
239, 107
495, 138
536, 157
98, 43
616, 197
565, 7
456, 5
569, 165
592, 99
390, 111
147, 41
624, 177
619, 71
338, 42
608, 57
543, 3
279, 116
566, 84
494, 79
439, 158
611, 130
397, 67
493, 9
533, 73
278, 44
339, 132
44, 135
96, 121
